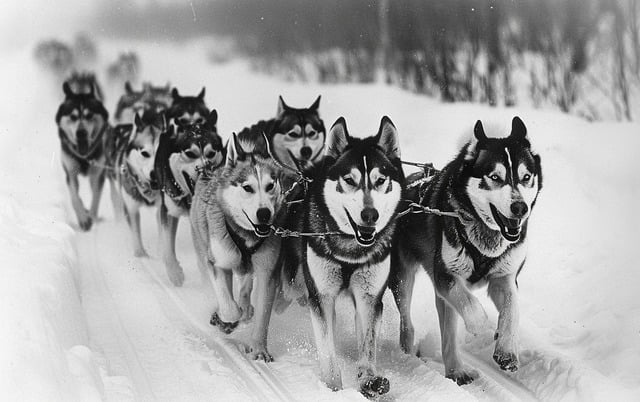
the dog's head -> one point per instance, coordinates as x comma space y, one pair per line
299, 135
157, 98
84, 83
143, 141
130, 103
250, 186
186, 110
505, 177
81, 118
190, 148
364, 180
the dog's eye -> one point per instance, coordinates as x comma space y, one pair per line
183, 121
270, 187
312, 134
247, 188
210, 154
349, 180
145, 154
380, 181
199, 120
73, 118
293, 134
495, 177
88, 116
190, 154
526, 177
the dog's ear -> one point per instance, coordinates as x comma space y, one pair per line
316, 104
477, 139
212, 119
174, 94
387, 138
127, 88
201, 94
67, 90
338, 139
234, 151
282, 107
518, 130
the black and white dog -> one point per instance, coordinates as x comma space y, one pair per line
492, 184
82, 127
184, 150
186, 110
355, 196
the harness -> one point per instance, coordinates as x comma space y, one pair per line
73, 149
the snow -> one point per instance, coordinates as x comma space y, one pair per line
85, 320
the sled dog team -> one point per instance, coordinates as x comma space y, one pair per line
301, 212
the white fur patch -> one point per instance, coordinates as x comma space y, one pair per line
326, 274
370, 278
510, 262
225, 253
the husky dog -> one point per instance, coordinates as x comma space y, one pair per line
296, 135
231, 219
85, 83
82, 123
187, 109
138, 183
183, 152
130, 103
354, 196
492, 184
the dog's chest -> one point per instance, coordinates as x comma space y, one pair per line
473, 266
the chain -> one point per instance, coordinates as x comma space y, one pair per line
415, 208
282, 232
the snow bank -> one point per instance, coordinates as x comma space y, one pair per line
43, 328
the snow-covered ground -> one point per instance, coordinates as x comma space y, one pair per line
84, 320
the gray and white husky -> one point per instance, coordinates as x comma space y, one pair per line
232, 214
82, 128
134, 170
355, 196
492, 184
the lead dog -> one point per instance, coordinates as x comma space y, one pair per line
492, 184
82, 126
354, 196
231, 222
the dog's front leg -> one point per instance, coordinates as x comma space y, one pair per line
503, 292
96, 180
83, 216
228, 314
368, 285
266, 268
401, 282
168, 228
452, 289
244, 297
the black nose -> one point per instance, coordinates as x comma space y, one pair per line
369, 216
519, 209
153, 180
264, 215
305, 152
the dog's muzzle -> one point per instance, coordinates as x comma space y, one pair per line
260, 229
365, 235
510, 228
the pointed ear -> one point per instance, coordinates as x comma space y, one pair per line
518, 130
67, 90
174, 94
201, 94
316, 104
478, 137
138, 120
234, 151
212, 119
282, 107
127, 88
387, 138
338, 139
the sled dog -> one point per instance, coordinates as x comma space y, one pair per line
82, 126
355, 196
492, 184
135, 174
183, 151
296, 136
187, 109
231, 222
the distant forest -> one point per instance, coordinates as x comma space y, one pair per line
581, 56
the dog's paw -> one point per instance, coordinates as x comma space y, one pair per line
85, 221
176, 275
247, 313
260, 353
374, 386
507, 360
226, 327
462, 376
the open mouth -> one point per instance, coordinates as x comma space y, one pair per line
510, 228
190, 183
261, 230
365, 235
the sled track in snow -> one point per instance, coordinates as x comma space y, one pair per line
245, 369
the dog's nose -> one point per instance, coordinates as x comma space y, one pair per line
369, 216
264, 215
519, 209
305, 152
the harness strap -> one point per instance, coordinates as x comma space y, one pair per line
71, 147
